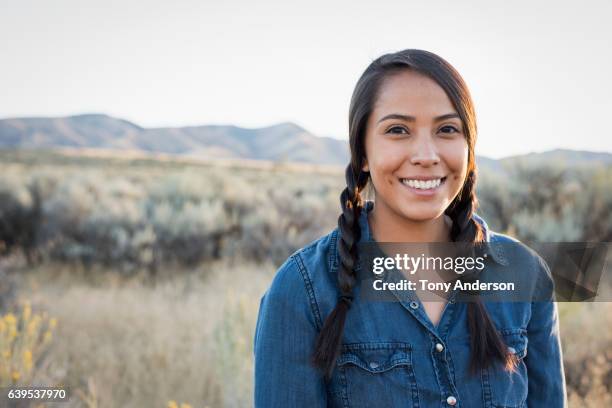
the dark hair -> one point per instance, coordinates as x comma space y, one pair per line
486, 343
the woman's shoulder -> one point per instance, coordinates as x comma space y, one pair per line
523, 260
304, 281
512, 248
315, 258
309, 271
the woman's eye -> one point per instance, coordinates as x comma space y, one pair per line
397, 130
449, 129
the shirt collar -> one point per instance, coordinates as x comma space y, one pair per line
494, 251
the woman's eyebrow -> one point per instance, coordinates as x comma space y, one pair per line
409, 118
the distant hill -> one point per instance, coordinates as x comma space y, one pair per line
565, 157
562, 156
284, 142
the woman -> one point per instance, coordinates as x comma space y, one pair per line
317, 343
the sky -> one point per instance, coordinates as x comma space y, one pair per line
538, 70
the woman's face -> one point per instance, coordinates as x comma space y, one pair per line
416, 150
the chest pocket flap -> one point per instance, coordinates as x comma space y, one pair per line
376, 357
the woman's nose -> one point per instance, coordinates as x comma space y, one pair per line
424, 152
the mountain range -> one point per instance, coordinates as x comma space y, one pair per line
285, 142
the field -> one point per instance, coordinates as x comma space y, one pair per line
143, 276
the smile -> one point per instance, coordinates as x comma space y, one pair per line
425, 185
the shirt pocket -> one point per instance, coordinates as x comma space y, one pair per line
376, 375
508, 389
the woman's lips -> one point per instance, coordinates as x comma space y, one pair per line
427, 188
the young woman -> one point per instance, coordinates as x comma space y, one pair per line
412, 132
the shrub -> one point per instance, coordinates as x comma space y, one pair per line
24, 339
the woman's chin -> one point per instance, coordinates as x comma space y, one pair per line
426, 214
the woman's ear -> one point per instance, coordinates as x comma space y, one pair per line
365, 167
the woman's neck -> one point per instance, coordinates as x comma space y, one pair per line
387, 226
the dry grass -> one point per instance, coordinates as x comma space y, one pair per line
124, 344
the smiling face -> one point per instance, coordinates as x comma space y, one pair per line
416, 149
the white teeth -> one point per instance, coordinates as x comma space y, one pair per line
422, 184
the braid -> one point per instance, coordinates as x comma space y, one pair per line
464, 228
485, 341
329, 340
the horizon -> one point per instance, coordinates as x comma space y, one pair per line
485, 156
499, 157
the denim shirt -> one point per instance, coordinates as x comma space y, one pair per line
392, 355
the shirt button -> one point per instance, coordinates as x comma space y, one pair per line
451, 400
373, 365
439, 347
414, 305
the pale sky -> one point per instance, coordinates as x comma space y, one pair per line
539, 71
